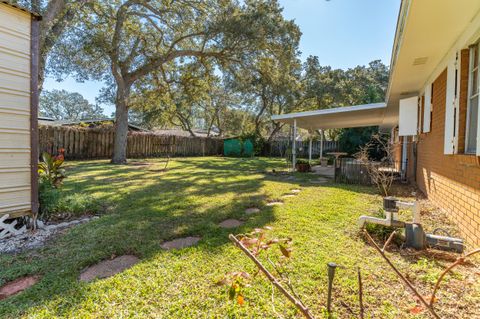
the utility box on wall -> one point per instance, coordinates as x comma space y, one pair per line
408, 116
18, 111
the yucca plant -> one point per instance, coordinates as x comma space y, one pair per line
50, 170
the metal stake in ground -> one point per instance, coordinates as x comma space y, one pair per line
331, 275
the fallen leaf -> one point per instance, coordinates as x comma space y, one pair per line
416, 310
240, 300
249, 241
286, 252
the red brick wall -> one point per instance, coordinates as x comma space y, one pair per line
452, 182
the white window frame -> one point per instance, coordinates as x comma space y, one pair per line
469, 97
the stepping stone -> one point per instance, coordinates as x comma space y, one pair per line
275, 203
230, 223
252, 210
295, 191
180, 243
108, 268
288, 195
17, 286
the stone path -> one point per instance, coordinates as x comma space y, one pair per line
288, 195
180, 243
275, 203
295, 191
18, 285
252, 210
108, 268
230, 223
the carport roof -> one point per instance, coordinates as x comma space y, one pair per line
340, 117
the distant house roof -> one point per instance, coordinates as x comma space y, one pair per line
52, 122
180, 132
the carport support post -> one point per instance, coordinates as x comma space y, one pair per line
294, 148
321, 143
310, 149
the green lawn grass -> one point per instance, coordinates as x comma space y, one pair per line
149, 206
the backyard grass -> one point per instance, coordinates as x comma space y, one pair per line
150, 206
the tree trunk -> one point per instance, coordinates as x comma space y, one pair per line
121, 127
276, 128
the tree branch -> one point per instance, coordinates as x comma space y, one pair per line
304, 310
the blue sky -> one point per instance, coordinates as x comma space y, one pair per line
342, 33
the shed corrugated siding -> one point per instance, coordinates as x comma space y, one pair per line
14, 110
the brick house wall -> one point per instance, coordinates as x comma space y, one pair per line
452, 182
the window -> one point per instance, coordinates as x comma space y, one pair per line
473, 100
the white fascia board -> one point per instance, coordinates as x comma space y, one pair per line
330, 111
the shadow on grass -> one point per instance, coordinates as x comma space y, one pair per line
189, 199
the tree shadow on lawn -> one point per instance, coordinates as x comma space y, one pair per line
157, 207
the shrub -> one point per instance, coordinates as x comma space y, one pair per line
302, 161
77, 204
257, 140
49, 169
48, 197
55, 204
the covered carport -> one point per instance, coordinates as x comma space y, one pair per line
340, 117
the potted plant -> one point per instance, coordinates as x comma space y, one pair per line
302, 166
324, 162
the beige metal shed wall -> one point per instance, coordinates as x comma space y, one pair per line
15, 172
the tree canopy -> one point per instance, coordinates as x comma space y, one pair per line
227, 65
64, 105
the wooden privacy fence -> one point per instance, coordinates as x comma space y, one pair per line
86, 143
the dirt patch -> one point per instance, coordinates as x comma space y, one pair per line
140, 165
17, 286
180, 243
252, 210
158, 170
230, 223
108, 268
295, 191
288, 196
